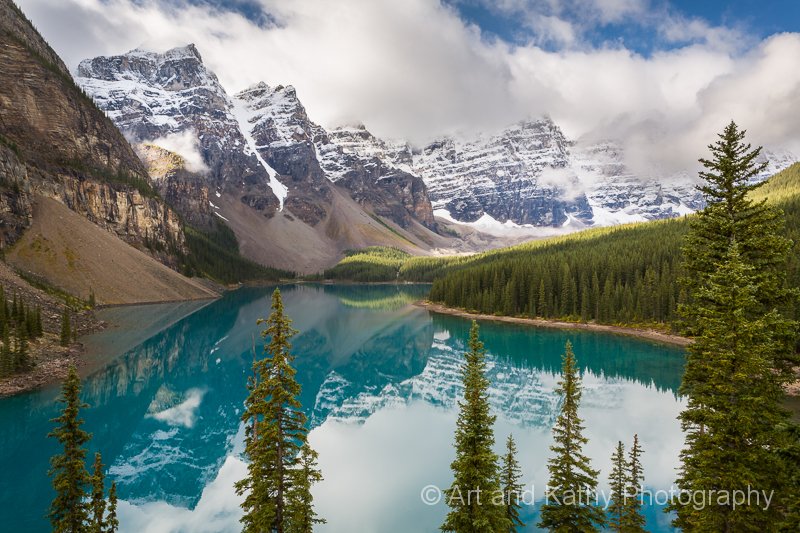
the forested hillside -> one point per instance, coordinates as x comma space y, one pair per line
621, 275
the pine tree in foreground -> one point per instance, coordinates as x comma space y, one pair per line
619, 489
472, 496
572, 488
632, 519
734, 263
302, 516
757, 227
510, 476
68, 511
275, 431
97, 506
734, 405
112, 522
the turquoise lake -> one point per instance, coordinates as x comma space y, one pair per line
380, 381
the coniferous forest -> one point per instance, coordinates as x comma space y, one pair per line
19, 325
620, 275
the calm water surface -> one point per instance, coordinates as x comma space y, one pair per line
380, 387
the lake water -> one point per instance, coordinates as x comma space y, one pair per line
380, 387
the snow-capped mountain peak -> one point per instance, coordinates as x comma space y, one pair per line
278, 113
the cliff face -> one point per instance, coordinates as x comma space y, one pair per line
303, 151
254, 143
186, 191
55, 142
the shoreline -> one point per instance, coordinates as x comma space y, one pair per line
53, 360
647, 334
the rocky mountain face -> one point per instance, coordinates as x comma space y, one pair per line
54, 142
258, 145
531, 175
617, 195
181, 188
302, 150
519, 175
159, 98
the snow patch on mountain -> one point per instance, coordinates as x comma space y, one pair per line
248, 118
489, 225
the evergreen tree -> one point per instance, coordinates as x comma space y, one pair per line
572, 487
632, 518
66, 330
543, 307
112, 522
734, 261
30, 322
68, 511
97, 505
6, 357
22, 359
510, 476
734, 403
302, 516
471, 497
619, 489
790, 455
275, 430
39, 328
731, 215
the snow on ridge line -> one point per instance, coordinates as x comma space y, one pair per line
242, 113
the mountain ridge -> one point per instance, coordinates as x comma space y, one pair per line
530, 175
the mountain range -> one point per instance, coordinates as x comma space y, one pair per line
154, 150
261, 140
67, 172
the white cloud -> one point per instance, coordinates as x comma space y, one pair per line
617, 10
186, 145
185, 413
414, 69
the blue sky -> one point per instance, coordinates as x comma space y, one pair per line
634, 26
